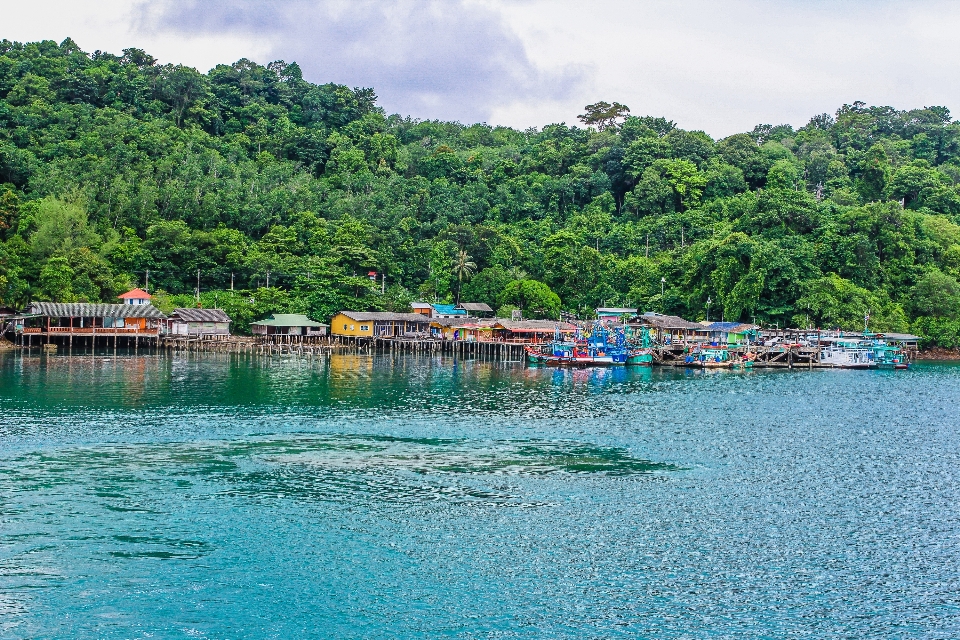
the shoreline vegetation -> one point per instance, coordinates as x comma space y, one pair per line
250, 189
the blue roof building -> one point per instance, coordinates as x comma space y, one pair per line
447, 311
727, 332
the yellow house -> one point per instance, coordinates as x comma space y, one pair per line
377, 324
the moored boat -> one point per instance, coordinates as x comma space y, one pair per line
847, 353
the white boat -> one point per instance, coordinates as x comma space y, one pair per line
847, 353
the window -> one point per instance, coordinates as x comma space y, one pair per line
344, 327
351, 327
364, 327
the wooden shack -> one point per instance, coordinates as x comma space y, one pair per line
288, 324
476, 309
530, 331
669, 329
728, 333
201, 323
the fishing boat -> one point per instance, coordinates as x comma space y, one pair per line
847, 353
642, 356
886, 355
597, 349
535, 355
709, 357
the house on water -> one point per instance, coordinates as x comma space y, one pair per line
379, 324
90, 323
205, 324
530, 331
728, 333
668, 329
288, 327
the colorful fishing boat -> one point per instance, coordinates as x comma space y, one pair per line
710, 357
886, 355
597, 349
642, 356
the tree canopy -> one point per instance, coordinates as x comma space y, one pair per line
288, 193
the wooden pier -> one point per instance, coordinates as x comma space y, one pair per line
74, 342
779, 357
672, 355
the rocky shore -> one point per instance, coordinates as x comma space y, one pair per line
939, 353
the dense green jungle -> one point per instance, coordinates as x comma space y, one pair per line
262, 192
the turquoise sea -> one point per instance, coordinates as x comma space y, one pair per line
225, 497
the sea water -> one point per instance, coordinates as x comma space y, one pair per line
146, 496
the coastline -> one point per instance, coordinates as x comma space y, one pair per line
939, 354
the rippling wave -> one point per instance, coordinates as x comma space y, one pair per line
379, 497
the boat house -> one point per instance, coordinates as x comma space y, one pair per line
530, 331
379, 324
52, 320
202, 323
288, 324
668, 329
728, 333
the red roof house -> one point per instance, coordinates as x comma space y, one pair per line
136, 296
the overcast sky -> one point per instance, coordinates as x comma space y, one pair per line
720, 66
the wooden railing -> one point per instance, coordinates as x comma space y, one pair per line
94, 330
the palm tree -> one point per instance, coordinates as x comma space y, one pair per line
463, 267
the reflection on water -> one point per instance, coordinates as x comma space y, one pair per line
361, 496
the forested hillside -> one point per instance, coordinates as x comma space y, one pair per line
115, 165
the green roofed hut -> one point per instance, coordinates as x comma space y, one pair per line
288, 327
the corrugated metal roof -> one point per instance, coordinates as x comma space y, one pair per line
668, 322
88, 310
535, 326
462, 321
373, 316
200, 315
909, 337
289, 320
728, 326
616, 310
475, 306
448, 310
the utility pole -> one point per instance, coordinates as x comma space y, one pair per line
708, 308
198, 285
268, 278
231, 281
647, 255
663, 282
383, 284
146, 284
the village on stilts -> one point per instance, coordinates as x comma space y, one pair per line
615, 337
